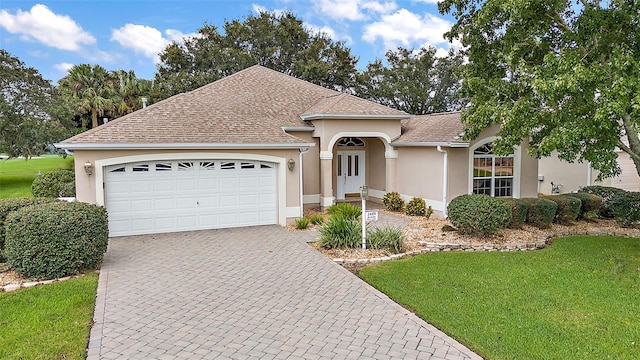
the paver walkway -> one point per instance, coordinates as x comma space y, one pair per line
247, 293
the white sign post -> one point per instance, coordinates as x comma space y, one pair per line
364, 192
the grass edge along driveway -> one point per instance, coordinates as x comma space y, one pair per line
577, 299
48, 321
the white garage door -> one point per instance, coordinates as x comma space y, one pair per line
168, 196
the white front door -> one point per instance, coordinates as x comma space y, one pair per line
350, 172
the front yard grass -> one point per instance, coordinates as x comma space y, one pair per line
48, 321
577, 299
16, 175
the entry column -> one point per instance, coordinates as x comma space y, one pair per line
326, 179
391, 162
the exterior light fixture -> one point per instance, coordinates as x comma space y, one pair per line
88, 168
291, 164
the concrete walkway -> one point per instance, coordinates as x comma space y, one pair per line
247, 293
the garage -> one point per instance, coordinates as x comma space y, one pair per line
183, 195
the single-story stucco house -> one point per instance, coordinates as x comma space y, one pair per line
259, 146
570, 177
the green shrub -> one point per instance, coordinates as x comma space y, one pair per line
540, 212
389, 238
606, 193
302, 223
518, 212
416, 207
591, 204
478, 214
428, 212
340, 232
57, 239
393, 201
58, 183
625, 207
10, 205
316, 219
345, 210
568, 208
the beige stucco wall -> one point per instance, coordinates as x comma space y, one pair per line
375, 164
86, 187
572, 176
420, 172
458, 172
328, 130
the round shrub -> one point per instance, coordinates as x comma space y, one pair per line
393, 201
518, 212
389, 238
8, 206
416, 207
339, 232
568, 208
625, 207
478, 214
606, 193
540, 212
590, 204
58, 239
58, 183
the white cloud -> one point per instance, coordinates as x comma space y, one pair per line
404, 28
146, 40
41, 24
380, 8
261, 9
64, 67
330, 32
341, 9
429, 1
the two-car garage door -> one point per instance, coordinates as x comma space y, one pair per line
167, 196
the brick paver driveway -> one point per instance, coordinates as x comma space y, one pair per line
259, 293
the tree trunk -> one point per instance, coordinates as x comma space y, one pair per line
94, 118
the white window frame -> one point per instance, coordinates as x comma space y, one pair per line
517, 156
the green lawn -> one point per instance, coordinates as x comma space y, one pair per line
48, 321
16, 175
577, 299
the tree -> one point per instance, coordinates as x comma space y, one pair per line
92, 89
31, 118
415, 82
279, 42
564, 74
129, 93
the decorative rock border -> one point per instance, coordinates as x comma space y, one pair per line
14, 287
541, 242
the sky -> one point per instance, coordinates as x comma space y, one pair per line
53, 35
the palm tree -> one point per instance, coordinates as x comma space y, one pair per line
91, 88
131, 90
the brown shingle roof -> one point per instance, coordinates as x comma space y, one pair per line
443, 128
248, 107
345, 104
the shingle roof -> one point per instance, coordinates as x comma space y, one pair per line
345, 104
442, 128
248, 107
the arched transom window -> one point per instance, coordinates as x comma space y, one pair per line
492, 174
350, 142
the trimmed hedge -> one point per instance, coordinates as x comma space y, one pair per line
540, 212
478, 214
606, 193
58, 239
518, 212
10, 205
416, 207
591, 204
568, 208
393, 201
625, 207
58, 183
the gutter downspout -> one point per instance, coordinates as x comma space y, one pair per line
302, 151
445, 178
589, 173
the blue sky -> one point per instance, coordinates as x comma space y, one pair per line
53, 35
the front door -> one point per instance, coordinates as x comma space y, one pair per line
350, 172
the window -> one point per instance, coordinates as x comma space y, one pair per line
185, 166
247, 165
163, 166
118, 169
207, 165
140, 167
228, 165
350, 142
492, 174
